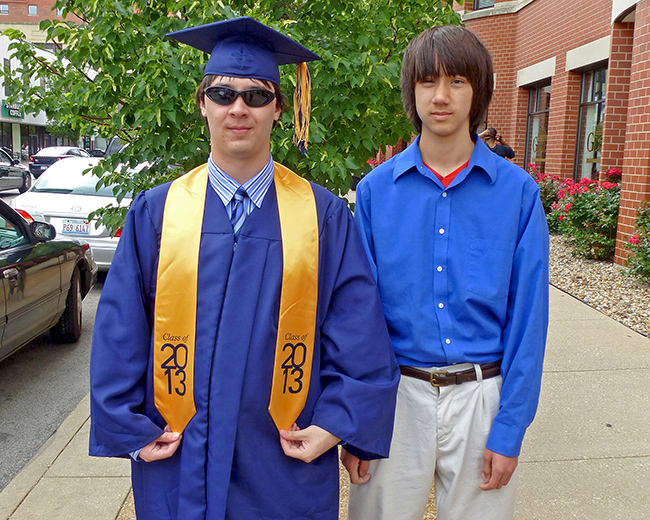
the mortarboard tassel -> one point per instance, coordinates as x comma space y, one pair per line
301, 107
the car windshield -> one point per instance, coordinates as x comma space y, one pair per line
71, 181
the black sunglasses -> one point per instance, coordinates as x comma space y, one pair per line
253, 97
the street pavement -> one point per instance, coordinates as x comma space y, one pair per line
586, 455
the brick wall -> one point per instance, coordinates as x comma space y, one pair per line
635, 185
19, 12
562, 121
616, 100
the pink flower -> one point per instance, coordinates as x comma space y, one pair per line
561, 217
634, 239
567, 207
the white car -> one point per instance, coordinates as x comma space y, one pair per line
64, 197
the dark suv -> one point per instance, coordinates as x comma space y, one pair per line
41, 161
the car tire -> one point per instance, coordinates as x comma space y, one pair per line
27, 182
68, 328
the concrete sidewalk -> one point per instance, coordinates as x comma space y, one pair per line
586, 456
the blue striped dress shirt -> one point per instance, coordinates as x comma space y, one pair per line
226, 186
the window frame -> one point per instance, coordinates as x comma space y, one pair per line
534, 95
600, 114
479, 4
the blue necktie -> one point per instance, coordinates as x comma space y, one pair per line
238, 214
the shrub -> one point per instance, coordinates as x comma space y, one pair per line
549, 186
613, 175
638, 262
587, 212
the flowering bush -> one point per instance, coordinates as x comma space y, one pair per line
638, 262
587, 212
549, 186
374, 161
613, 175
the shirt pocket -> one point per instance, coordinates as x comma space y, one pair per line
490, 268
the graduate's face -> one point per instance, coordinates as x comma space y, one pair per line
238, 132
444, 105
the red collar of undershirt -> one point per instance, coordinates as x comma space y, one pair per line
447, 179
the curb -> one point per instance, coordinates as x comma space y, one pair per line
22, 484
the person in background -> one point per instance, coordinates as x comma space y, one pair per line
240, 337
458, 241
495, 142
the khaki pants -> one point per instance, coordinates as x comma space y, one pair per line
439, 433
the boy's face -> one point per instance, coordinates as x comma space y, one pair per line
237, 131
444, 104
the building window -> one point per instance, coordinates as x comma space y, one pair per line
482, 4
590, 124
539, 99
32, 9
4, 8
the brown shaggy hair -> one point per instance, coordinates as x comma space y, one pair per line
453, 51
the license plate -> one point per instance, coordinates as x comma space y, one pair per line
79, 227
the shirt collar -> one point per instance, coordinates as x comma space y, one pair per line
482, 159
256, 187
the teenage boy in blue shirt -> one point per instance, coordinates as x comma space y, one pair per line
458, 242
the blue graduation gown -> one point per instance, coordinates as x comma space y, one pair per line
230, 463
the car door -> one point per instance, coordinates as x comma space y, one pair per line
6, 178
16, 173
31, 282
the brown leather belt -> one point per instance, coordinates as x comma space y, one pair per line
445, 378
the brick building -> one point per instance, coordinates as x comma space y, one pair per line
572, 88
26, 15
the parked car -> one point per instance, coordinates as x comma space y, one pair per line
41, 161
43, 282
64, 197
13, 175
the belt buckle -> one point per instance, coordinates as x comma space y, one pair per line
437, 373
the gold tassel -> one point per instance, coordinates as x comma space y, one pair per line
301, 107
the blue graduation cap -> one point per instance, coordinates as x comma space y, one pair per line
245, 48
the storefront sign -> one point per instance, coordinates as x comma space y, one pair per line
12, 110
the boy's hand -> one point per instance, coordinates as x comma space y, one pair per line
497, 470
162, 448
307, 444
357, 468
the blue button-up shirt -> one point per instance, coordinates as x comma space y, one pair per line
256, 187
463, 272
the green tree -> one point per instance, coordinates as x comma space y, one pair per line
57, 129
117, 74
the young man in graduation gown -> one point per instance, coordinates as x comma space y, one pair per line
457, 238
240, 337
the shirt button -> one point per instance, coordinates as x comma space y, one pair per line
447, 341
444, 193
441, 305
439, 268
441, 231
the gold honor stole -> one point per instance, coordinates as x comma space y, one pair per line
176, 297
